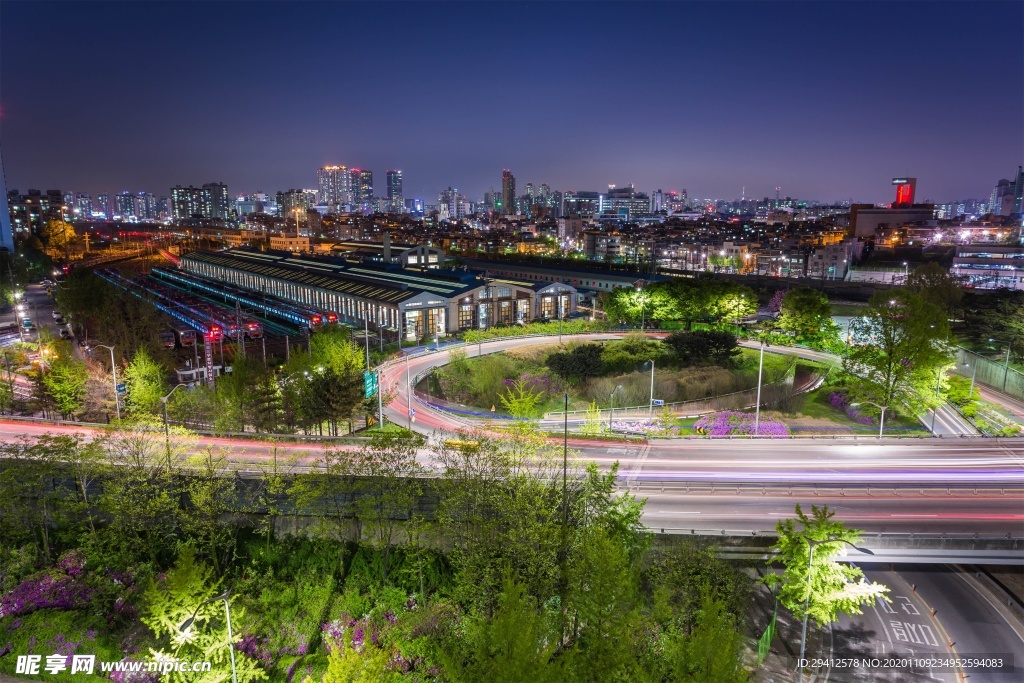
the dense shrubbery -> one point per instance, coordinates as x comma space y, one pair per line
516, 594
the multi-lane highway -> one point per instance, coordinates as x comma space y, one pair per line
920, 485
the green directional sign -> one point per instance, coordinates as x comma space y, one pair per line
369, 384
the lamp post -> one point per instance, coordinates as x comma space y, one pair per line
227, 611
643, 307
650, 408
611, 411
757, 408
167, 429
807, 598
935, 410
408, 391
113, 371
881, 424
974, 373
17, 315
1006, 365
906, 272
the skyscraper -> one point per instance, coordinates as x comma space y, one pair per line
186, 202
124, 205
83, 206
103, 205
217, 200
6, 231
362, 189
508, 192
208, 201
394, 185
334, 187
1018, 192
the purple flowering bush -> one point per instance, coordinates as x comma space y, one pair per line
61, 588
732, 423
840, 401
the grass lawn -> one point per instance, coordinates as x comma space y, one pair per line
813, 414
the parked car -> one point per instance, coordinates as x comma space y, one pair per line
55, 314
60, 321
64, 334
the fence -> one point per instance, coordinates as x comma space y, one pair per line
991, 373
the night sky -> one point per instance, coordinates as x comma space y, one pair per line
827, 100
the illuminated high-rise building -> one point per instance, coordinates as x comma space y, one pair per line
103, 205
83, 206
334, 187
124, 205
217, 198
6, 230
396, 200
508, 193
362, 190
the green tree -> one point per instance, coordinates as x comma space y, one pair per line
212, 497
602, 607
712, 651
521, 400
834, 587
805, 312
65, 380
58, 236
350, 664
579, 362
145, 380
188, 589
140, 495
515, 644
716, 347
388, 489
897, 351
937, 286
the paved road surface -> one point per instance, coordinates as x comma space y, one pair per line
771, 478
965, 624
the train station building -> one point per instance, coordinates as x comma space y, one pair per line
416, 303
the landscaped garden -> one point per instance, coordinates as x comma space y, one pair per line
532, 380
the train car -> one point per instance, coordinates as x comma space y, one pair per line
253, 329
167, 340
186, 336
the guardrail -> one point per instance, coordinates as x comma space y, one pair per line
864, 536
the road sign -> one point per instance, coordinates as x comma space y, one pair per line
369, 384
122, 388
658, 402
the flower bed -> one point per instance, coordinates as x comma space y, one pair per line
732, 423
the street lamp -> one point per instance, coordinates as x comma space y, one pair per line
643, 309
935, 410
167, 429
757, 408
881, 424
113, 371
227, 609
1006, 367
611, 411
906, 271
650, 409
970, 392
807, 598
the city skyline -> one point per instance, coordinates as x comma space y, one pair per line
701, 112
